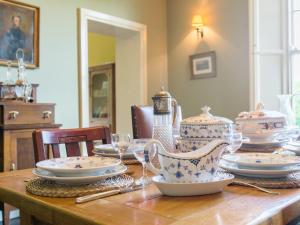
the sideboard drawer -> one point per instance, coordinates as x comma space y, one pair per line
28, 114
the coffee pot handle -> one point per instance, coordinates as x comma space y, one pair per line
147, 155
174, 105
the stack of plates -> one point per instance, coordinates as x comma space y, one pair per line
79, 170
107, 150
265, 165
262, 146
293, 146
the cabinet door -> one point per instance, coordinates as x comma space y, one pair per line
102, 96
18, 150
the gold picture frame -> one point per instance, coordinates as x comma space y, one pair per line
19, 28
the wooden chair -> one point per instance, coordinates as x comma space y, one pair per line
142, 121
43, 139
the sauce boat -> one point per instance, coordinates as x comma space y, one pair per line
197, 166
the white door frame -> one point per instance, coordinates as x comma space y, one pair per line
84, 16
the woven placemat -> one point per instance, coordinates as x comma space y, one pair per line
291, 181
130, 161
49, 188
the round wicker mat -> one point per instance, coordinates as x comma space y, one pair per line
48, 188
291, 181
130, 161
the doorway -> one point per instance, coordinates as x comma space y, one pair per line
130, 65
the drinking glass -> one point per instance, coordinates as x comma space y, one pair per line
138, 151
234, 138
120, 143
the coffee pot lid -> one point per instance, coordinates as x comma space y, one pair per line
162, 94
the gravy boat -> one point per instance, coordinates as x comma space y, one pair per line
196, 166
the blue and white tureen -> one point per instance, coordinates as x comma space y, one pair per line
198, 131
261, 124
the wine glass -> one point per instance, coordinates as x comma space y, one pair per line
138, 151
120, 143
234, 138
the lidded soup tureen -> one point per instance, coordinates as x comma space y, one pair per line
261, 124
198, 131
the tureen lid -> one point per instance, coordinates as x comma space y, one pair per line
206, 118
259, 113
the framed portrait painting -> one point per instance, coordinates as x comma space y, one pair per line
203, 65
19, 29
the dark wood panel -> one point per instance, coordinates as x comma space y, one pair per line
25, 154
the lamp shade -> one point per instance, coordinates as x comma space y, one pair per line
197, 21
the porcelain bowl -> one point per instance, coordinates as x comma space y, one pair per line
261, 125
262, 136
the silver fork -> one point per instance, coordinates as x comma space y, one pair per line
256, 187
96, 196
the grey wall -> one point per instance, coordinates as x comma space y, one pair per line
58, 75
226, 32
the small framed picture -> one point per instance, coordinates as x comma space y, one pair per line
19, 29
203, 65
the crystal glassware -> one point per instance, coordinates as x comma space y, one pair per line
120, 143
234, 138
138, 147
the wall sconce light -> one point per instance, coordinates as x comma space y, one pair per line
198, 24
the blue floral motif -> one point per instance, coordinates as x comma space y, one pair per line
178, 174
195, 161
197, 174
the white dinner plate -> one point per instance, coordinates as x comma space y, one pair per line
263, 173
94, 177
108, 148
264, 144
262, 160
292, 148
295, 143
127, 155
77, 166
189, 189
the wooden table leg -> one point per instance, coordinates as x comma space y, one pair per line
5, 213
25, 219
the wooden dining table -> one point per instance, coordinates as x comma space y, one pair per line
235, 205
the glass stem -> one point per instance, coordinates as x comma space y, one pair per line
144, 171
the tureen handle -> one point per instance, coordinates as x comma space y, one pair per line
260, 106
147, 156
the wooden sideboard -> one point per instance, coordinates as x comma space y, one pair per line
17, 122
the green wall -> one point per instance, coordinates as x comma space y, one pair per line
58, 72
226, 31
102, 49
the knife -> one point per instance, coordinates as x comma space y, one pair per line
92, 197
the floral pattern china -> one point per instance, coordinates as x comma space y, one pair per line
190, 167
198, 131
77, 165
262, 159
